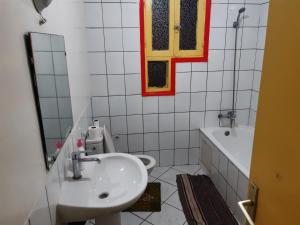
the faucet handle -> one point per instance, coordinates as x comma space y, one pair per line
76, 154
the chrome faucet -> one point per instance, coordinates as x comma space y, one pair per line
76, 160
229, 115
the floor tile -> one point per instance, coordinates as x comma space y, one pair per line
190, 169
168, 216
151, 179
143, 215
170, 176
166, 190
146, 223
130, 219
157, 171
174, 201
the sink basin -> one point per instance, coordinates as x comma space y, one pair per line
106, 188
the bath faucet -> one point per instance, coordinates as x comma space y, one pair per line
229, 115
76, 160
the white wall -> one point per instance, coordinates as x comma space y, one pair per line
22, 169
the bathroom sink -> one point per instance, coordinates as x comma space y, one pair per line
105, 188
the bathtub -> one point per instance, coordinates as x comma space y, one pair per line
237, 146
226, 154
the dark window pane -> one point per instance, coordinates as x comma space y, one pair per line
188, 23
160, 24
157, 74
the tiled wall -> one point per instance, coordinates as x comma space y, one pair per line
168, 127
44, 211
231, 183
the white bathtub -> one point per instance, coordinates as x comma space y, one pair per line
237, 146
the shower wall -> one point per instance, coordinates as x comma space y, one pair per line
167, 127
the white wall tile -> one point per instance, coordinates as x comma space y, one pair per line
226, 100
150, 105
166, 104
97, 63
182, 102
134, 104
166, 157
98, 85
199, 66
181, 156
93, 15
198, 101
217, 38
151, 141
194, 139
183, 67
230, 38
181, 139
121, 143
132, 62
213, 100
252, 15
245, 79
198, 82
243, 99
166, 140
218, 15
151, 123
166, 122
135, 142
262, 32
133, 84
111, 14
183, 82
130, 15
214, 81
194, 156
117, 105
242, 117
95, 39
263, 19
250, 37
135, 124
113, 39
114, 63
232, 176
215, 60
242, 190
228, 80
247, 59
211, 119
118, 125
196, 120
256, 80
182, 121
131, 39
116, 85
100, 106
254, 100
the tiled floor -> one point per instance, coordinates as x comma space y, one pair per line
171, 210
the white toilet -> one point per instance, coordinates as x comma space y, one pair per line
109, 147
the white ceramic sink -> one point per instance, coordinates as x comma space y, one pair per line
105, 188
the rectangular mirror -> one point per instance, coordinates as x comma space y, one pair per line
48, 64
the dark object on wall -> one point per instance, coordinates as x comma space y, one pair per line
40, 5
157, 74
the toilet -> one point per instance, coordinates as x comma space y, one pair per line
109, 147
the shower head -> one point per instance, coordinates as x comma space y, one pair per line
237, 22
242, 10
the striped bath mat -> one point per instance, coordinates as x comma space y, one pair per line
201, 202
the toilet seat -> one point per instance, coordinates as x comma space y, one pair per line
151, 160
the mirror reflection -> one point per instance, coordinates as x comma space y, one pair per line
52, 92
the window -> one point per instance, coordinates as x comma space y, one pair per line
171, 31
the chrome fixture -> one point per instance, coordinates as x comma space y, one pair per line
229, 115
232, 114
76, 160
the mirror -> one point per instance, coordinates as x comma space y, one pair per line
48, 65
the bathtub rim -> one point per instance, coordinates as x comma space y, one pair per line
208, 136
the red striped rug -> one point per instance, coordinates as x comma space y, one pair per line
201, 202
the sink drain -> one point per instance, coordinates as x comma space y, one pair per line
103, 195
